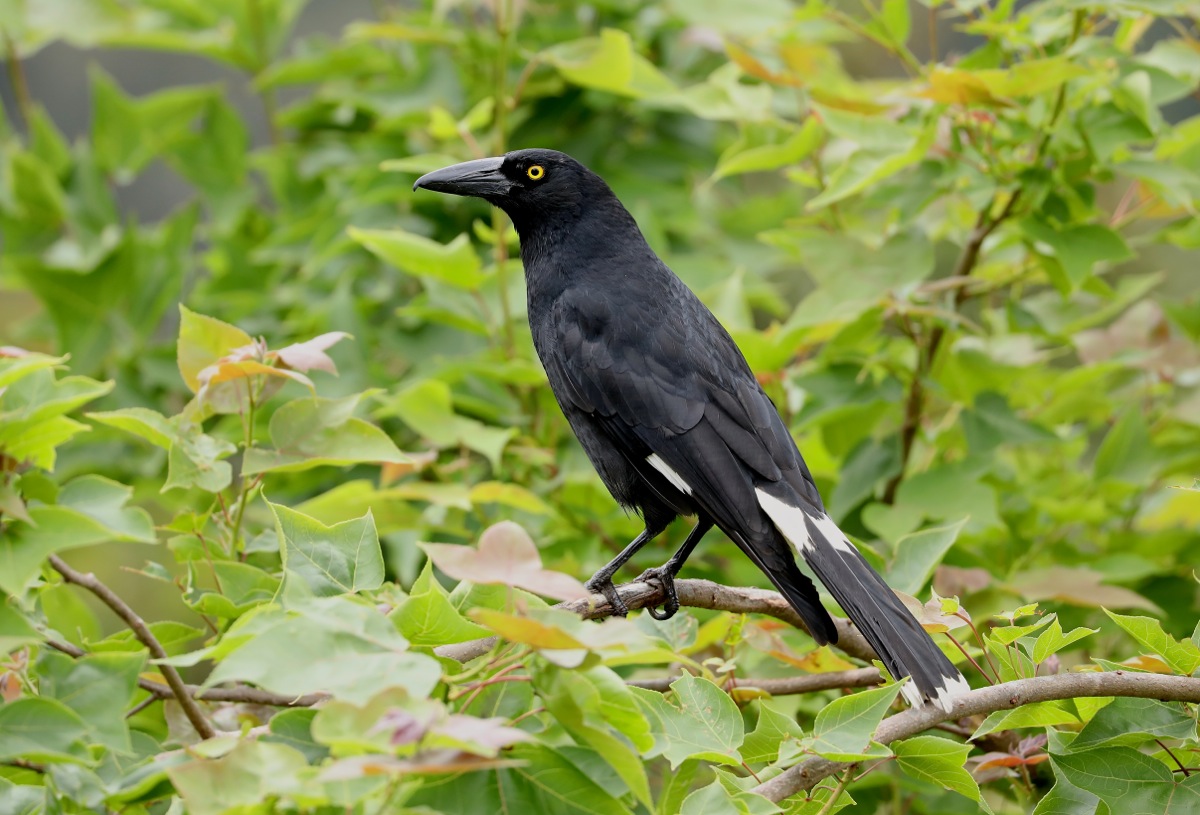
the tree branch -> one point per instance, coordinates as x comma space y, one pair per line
145, 636
807, 774
692, 593
914, 404
786, 686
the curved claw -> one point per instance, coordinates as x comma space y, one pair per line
666, 579
605, 587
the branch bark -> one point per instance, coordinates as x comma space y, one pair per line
807, 774
914, 404
692, 593
145, 636
786, 686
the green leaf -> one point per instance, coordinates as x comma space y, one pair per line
331, 644
103, 500
1077, 249
763, 158
1127, 454
941, 762
587, 704
919, 553
202, 341
1032, 77
1065, 799
544, 781
98, 687
884, 154
194, 460
15, 368
32, 420
15, 630
896, 21
1129, 722
24, 546
1053, 640
608, 63
36, 729
1129, 782
718, 799
429, 618
293, 727
992, 422
455, 263
510, 495
252, 772
428, 408
339, 559
1183, 657
902, 260
171, 635
314, 432
705, 723
773, 729
844, 727
1039, 714
141, 422
243, 587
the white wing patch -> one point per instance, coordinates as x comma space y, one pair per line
792, 523
675, 478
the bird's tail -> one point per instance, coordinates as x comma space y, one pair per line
899, 640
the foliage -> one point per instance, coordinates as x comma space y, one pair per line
962, 281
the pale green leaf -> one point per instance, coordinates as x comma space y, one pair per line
843, 729
339, 559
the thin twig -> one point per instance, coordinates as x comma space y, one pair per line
914, 405
16, 76
142, 705
145, 636
837, 792
1174, 758
808, 773
694, 594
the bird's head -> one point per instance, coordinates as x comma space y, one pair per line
533, 186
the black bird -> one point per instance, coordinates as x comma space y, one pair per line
669, 412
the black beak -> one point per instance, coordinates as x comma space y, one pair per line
480, 178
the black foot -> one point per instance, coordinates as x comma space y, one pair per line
665, 577
601, 584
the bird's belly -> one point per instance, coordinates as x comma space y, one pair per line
613, 468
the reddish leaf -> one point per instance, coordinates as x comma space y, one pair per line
310, 354
484, 737
931, 615
506, 555
10, 686
951, 581
990, 760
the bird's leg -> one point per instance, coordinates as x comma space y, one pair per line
665, 574
602, 581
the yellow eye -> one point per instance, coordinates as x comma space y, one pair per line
535, 172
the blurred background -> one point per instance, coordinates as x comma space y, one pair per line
801, 164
